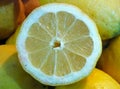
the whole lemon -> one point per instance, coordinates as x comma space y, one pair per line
110, 59
96, 80
106, 14
12, 76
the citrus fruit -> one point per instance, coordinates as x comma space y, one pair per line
96, 80
11, 14
13, 37
12, 75
20, 11
58, 44
29, 5
106, 14
110, 59
7, 16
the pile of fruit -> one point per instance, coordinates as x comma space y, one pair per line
59, 44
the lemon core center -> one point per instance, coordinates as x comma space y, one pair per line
57, 44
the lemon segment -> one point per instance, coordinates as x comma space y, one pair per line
58, 44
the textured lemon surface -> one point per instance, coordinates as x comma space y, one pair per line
58, 44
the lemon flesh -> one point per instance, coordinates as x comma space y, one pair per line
58, 46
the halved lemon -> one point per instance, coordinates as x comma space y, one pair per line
58, 44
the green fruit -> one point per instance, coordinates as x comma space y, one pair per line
7, 18
12, 76
105, 13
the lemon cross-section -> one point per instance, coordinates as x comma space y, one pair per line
58, 44
51, 33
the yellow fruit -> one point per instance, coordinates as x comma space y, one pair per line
110, 59
12, 76
105, 13
96, 80
58, 44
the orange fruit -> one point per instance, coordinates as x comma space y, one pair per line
29, 5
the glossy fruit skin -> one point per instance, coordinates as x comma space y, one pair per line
12, 76
96, 80
106, 14
110, 59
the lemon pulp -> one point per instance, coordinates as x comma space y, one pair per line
58, 46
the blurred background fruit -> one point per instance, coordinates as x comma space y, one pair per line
12, 14
25, 8
7, 18
110, 59
12, 76
20, 10
106, 14
96, 80
13, 37
29, 5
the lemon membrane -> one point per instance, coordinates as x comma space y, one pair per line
58, 44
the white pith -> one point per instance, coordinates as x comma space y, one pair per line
56, 80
